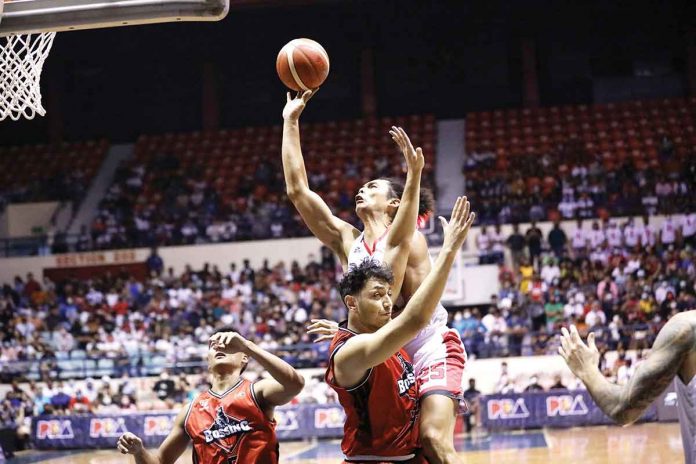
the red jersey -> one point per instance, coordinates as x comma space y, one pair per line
382, 411
231, 428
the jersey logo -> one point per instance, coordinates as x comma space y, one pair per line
407, 381
203, 405
226, 431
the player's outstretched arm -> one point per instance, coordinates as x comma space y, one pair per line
403, 228
286, 382
332, 231
169, 451
368, 350
626, 403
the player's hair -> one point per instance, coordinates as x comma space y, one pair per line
427, 200
355, 279
228, 328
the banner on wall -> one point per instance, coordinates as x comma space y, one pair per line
65, 432
561, 408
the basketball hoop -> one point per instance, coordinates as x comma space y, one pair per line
22, 58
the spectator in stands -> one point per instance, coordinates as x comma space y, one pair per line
496, 331
533, 236
516, 243
557, 239
518, 328
483, 244
497, 243
688, 230
534, 385
558, 383
154, 262
471, 396
668, 232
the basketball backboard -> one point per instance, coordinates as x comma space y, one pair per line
30, 16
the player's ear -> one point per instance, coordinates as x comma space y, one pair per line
351, 302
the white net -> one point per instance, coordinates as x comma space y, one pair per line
21, 62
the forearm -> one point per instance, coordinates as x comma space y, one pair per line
406, 218
612, 399
293, 163
147, 457
276, 367
422, 304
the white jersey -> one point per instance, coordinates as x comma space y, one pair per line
686, 407
632, 236
688, 225
614, 237
669, 232
579, 238
360, 251
647, 235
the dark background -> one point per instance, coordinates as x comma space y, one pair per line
441, 57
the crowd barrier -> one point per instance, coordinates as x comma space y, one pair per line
102, 431
561, 408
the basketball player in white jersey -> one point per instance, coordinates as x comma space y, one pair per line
437, 352
672, 357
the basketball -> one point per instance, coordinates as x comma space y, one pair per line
302, 64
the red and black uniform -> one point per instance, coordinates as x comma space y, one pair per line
381, 411
231, 428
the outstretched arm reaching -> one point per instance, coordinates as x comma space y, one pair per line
626, 403
332, 231
370, 349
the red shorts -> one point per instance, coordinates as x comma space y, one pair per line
439, 365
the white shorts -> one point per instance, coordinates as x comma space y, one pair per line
439, 364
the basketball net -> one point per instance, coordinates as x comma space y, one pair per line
21, 62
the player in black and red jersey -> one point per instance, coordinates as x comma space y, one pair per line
368, 368
233, 421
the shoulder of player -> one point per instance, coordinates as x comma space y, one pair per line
680, 330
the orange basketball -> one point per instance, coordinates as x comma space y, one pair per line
302, 64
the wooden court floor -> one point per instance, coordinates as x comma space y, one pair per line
638, 444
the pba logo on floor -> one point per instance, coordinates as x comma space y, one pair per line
566, 405
286, 420
107, 427
158, 426
54, 430
507, 408
329, 418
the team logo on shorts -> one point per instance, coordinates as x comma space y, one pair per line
406, 384
54, 430
226, 431
566, 405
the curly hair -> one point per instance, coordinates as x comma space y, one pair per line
355, 279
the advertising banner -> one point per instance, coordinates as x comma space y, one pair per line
96, 431
561, 408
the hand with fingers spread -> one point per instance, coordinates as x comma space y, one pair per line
457, 228
229, 342
294, 106
414, 157
324, 328
129, 443
581, 358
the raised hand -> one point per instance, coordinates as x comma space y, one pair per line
229, 342
129, 443
460, 222
580, 358
294, 106
414, 157
324, 328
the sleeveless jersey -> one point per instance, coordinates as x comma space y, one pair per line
360, 251
231, 428
382, 411
686, 407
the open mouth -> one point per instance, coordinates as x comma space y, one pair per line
219, 355
359, 199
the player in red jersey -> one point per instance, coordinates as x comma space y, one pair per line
233, 421
368, 367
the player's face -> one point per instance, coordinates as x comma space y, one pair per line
374, 304
373, 196
218, 357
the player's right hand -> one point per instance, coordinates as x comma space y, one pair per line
294, 106
414, 157
458, 226
129, 443
324, 328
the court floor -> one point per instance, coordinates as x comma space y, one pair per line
638, 444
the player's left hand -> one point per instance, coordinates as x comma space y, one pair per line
230, 342
580, 358
324, 328
414, 157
